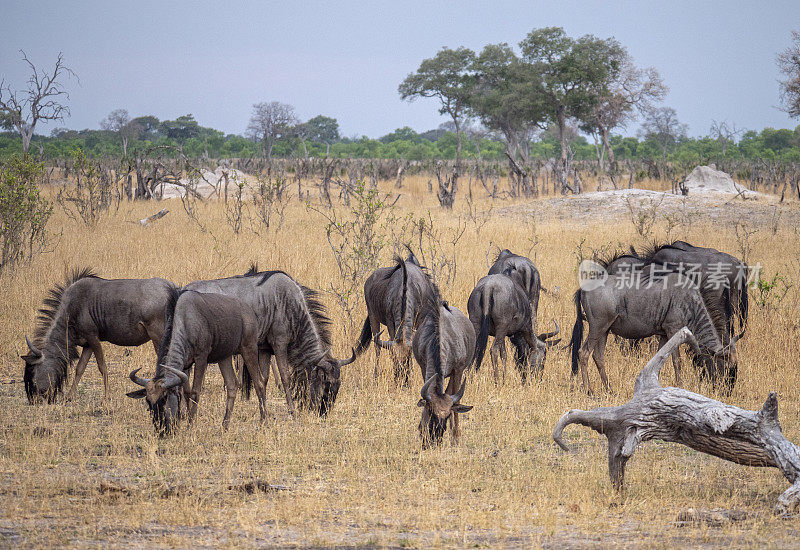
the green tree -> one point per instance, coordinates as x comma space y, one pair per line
447, 77
506, 99
572, 75
149, 124
401, 134
180, 129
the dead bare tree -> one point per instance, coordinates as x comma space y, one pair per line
269, 122
725, 134
750, 438
42, 100
448, 185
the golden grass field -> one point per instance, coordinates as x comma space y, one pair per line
92, 473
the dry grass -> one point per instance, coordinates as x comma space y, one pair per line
93, 473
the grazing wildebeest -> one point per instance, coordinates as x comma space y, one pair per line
718, 271
637, 311
395, 297
293, 327
499, 306
444, 347
85, 311
524, 274
200, 329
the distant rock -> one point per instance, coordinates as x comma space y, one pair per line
707, 179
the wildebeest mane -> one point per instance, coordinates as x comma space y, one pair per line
57, 327
607, 260
500, 253
252, 271
650, 250
306, 349
431, 333
169, 322
719, 315
51, 302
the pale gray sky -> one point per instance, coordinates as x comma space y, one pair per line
346, 59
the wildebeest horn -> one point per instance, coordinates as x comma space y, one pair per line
32, 348
343, 362
545, 335
425, 392
385, 344
136, 379
457, 397
182, 377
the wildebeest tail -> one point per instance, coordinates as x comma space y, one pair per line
577, 333
743, 300
365, 338
483, 332
247, 380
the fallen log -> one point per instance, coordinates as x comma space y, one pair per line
750, 438
160, 214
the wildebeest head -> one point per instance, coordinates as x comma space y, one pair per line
163, 395
437, 408
722, 365
36, 390
325, 380
536, 358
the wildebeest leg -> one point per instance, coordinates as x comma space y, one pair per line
250, 357
600, 361
452, 387
676, 359
375, 328
200, 365
232, 386
264, 365
498, 353
94, 343
283, 369
86, 354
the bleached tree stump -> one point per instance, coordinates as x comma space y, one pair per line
751, 438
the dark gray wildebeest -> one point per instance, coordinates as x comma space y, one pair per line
200, 329
292, 326
395, 297
717, 270
499, 306
85, 311
524, 274
658, 306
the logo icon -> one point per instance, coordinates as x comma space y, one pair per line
591, 275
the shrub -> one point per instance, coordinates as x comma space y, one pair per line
23, 211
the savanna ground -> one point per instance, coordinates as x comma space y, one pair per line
93, 473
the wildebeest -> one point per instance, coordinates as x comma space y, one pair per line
499, 306
85, 311
444, 347
717, 270
293, 327
658, 306
397, 303
524, 274
200, 329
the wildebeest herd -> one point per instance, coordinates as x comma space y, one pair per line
262, 314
